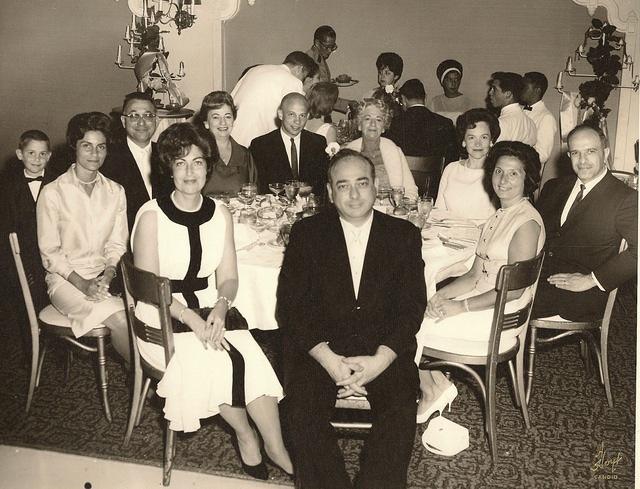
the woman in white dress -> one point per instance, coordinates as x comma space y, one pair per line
322, 97
451, 103
392, 169
461, 188
463, 310
82, 233
189, 239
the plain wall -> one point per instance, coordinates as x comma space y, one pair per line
486, 36
57, 60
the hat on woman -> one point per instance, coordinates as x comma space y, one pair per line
446, 66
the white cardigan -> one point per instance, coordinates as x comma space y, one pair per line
395, 163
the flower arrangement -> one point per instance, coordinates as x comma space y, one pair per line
332, 149
594, 93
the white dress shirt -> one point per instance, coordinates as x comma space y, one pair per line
34, 187
143, 160
356, 238
516, 126
258, 94
572, 196
286, 139
546, 129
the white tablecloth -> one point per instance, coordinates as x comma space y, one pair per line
259, 266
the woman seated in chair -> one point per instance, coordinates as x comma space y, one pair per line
391, 165
189, 239
461, 189
463, 310
82, 233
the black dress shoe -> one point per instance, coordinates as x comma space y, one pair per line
257, 471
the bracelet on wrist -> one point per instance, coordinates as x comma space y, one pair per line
180, 316
226, 301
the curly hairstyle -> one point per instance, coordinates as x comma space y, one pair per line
469, 119
84, 122
380, 104
212, 101
393, 61
176, 141
322, 97
523, 153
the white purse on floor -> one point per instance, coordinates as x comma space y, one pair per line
444, 437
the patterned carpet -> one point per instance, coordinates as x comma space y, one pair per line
571, 422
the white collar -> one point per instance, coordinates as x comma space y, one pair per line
137, 149
41, 174
416, 105
362, 230
514, 107
287, 139
589, 186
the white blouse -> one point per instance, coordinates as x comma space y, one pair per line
461, 192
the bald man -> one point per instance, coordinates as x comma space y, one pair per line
291, 152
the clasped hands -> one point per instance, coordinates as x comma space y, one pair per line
353, 373
439, 308
97, 289
211, 331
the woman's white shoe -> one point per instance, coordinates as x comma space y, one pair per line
445, 399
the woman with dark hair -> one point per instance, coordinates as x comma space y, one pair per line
322, 97
452, 102
82, 233
461, 189
390, 67
462, 310
189, 239
233, 165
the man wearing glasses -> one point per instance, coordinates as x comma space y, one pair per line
133, 162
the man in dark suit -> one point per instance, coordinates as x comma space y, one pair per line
20, 187
133, 163
585, 218
351, 297
291, 152
425, 132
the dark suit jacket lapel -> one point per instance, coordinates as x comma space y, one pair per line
280, 157
563, 195
373, 262
304, 154
338, 255
595, 194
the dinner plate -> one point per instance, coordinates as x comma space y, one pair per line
345, 84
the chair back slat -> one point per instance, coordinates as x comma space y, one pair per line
141, 285
423, 167
512, 277
24, 285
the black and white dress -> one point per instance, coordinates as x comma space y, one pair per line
198, 380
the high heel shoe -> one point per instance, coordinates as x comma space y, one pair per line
445, 399
257, 471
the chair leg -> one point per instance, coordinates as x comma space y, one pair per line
604, 360
584, 354
67, 365
41, 361
531, 364
512, 374
102, 377
35, 370
169, 453
491, 412
135, 400
519, 388
143, 399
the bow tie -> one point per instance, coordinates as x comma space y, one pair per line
527, 107
33, 179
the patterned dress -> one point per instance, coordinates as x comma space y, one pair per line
198, 380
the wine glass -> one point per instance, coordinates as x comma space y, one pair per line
247, 193
304, 192
276, 188
382, 194
396, 195
291, 190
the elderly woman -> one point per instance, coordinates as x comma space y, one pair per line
391, 165
322, 97
213, 371
451, 103
461, 189
233, 165
82, 233
463, 310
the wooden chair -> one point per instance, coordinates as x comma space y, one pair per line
585, 331
50, 323
140, 285
510, 277
426, 171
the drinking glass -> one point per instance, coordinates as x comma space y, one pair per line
396, 196
382, 195
247, 193
304, 192
276, 188
425, 204
291, 190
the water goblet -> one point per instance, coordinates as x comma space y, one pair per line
276, 188
396, 195
382, 194
304, 192
291, 190
425, 205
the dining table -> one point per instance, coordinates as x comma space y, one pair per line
448, 250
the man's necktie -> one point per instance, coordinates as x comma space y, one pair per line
576, 201
294, 159
527, 107
33, 179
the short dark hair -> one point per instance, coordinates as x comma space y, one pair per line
510, 82
349, 153
175, 142
85, 122
413, 89
538, 80
525, 154
322, 97
33, 135
298, 58
323, 32
594, 128
137, 96
212, 101
392, 61
469, 119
